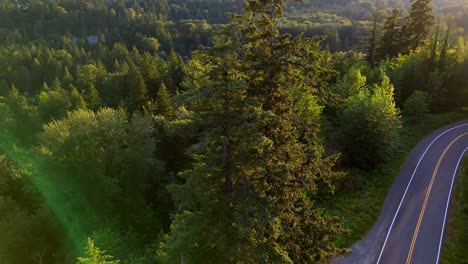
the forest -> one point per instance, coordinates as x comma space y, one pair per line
214, 131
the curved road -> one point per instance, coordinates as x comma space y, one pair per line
411, 226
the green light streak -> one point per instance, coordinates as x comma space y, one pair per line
40, 177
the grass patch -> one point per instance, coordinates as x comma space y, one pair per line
455, 247
360, 201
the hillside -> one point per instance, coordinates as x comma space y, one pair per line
173, 22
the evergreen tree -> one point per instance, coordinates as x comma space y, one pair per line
259, 162
443, 59
22, 119
151, 72
163, 102
215, 183
45, 87
283, 73
76, 100
67, 78
435, 47
372, 51
175, 71
87, 79
390, 43
442, 71
91, 97
419, 23
54, 103
137, 89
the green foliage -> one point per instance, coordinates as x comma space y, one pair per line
439, 75
454, 248
136, 89
362, 209
372, 51
262, 174
175, 72
96, 256
103, 163
409, 72
352, 83
76, 100
390, 43
53, 104
369, 124
204, 194
151, 44
418, 24
19, 117
383, 111
417, 106
164, 105
29, 233
91, 97
123, 122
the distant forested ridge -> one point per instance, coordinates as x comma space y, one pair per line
187, 25
171, 132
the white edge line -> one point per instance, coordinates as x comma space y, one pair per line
448, 203
409, 183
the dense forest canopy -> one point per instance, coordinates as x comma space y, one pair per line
193, 131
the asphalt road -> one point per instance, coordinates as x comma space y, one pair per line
411, 225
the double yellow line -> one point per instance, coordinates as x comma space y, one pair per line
426, 198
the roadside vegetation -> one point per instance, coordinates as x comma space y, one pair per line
361, 195
455, 245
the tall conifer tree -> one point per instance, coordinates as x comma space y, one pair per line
259, 162
419, 23
371, 53
390, 43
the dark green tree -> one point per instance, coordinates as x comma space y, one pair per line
390, 43
175, 71
21, 118
103, 163
259, 162
212, 187
164, 105
91, 97
87, 79
53, 103
283, 74
435, 47
417, 106
4, 87
137, 89
372, 50
443, 58
418, 24
29, 232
